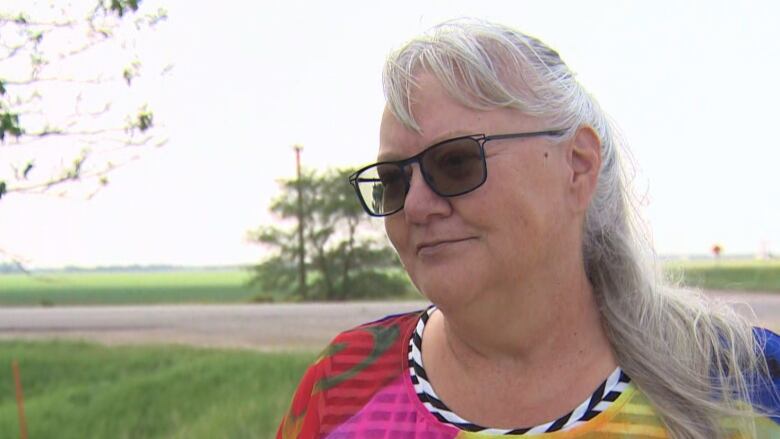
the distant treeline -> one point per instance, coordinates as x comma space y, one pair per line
10, 268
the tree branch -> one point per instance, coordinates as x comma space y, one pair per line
68, 176
22, 20
12, 51
94, 81
16, 260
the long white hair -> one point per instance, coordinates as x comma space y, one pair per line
695, 360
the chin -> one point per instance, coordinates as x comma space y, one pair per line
446, 290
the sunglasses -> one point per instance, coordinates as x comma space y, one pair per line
450, 168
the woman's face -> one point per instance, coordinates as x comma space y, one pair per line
510, 230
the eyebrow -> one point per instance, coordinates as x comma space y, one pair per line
394, 157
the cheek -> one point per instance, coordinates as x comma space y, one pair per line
396, 231
520, 209
501, 202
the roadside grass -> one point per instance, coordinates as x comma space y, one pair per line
78, 390
229, 286
141, 288
738, 275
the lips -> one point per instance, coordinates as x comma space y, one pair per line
439, 243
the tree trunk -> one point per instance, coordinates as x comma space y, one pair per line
322, 263
348, 259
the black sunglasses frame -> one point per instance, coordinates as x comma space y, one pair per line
481, 139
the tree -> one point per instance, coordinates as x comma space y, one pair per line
67, 112
345, 257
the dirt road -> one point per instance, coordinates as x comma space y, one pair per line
261, 326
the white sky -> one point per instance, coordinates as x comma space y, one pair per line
693, 86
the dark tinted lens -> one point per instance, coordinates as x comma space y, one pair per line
454, 167
382, 188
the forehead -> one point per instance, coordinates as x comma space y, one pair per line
441, 117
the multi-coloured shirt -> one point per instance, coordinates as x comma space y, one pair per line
362, 386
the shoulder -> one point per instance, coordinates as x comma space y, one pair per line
767, 395
352, 368
769, 344
375, 348
366, 345
769, 340
383, 330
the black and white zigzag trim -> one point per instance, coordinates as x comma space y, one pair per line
599, 401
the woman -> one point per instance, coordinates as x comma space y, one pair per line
502, 190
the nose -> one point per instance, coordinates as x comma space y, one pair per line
422, 203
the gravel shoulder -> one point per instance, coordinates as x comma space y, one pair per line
268, 327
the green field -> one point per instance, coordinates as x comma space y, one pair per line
105, 288
742, 275
79, 390
229, 286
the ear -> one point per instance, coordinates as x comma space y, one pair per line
584, 156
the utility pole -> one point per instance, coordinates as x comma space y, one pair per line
301, 249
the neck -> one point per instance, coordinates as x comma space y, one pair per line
520, 355
541, 327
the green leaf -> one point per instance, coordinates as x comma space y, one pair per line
121, 6
128, 75
2, 87
145, 120
9, 123
27, 169
2, 189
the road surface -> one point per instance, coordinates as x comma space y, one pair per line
254, 326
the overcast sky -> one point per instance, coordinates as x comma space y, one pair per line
693, 86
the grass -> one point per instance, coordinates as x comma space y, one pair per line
78, 390
175, 287
229, 286
742, 275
